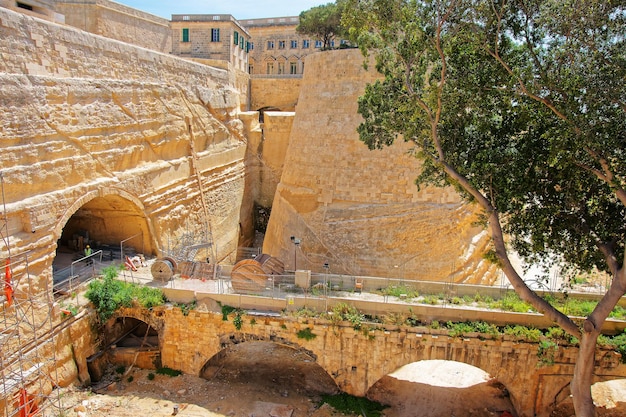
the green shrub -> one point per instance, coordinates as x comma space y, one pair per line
168, 371
347, 312
226, 310
187, 307
238, 320
546, 352
618, 313
151, 376
523, 333
306, 334
400, 290
109, 294
120, 369
349, 404
616, 342
459, 329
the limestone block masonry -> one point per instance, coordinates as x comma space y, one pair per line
142, 142
357, 359
359, 210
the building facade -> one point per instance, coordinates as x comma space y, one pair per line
211, 37
277, 49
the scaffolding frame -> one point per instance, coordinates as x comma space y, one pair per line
28, 337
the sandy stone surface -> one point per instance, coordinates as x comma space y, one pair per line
238, 390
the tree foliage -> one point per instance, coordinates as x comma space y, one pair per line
108, 294
322, 22
520, 105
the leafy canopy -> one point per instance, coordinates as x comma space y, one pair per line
322, 22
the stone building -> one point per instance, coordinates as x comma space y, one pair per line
211, 38
277, 49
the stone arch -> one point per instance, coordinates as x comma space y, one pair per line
134, 339
269, 360
434, 382
125, 198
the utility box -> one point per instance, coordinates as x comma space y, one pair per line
303, 279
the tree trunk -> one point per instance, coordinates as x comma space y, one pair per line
583, 375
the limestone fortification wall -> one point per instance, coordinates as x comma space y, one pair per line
145, 141
359, 210
116, 21
277, 93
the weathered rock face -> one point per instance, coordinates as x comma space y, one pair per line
115, 140
359, 210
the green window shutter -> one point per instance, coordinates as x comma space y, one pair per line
185, 35
242, 42
236, 38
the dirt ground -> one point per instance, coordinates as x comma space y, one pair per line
260, 379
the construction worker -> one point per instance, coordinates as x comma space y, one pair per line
88, 252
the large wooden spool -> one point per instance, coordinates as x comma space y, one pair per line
251, 275
163, 269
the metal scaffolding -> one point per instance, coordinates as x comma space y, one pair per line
28, 336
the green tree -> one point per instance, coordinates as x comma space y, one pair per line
322, 22
520, 106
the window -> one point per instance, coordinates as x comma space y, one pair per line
318, 44
294, 44
281, 44
281, 67
236, 38
185, 35
270, 67
332, 43
306, 44
250, 46
215, 35
270, 44
293, 68
242, 42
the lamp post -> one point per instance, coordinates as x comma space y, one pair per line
326, 269
296, 243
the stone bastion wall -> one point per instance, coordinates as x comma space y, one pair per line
117, 21
360, 210
128, 140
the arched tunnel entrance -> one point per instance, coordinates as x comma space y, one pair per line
133, 342
265, 374
110, 223
435, 388
128, 342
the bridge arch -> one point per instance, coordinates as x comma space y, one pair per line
107, 215
268, 361
442, 387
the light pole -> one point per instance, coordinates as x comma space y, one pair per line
296, 243
326, 268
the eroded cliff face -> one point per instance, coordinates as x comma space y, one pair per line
359, 210
118, 140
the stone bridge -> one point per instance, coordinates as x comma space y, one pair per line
357, 359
